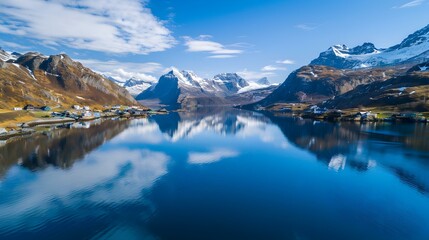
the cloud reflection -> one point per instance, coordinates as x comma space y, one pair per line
210, 157
105, 177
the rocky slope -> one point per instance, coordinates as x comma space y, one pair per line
402, 93
314, 84
56, 81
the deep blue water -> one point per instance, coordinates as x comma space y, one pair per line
222, 174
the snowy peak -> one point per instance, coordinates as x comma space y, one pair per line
135, 86
343, 51
417, 38
233, 78
413, 49
133, 82
263, 81
184, 78
366, 48
6, 56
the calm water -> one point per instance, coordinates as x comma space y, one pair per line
218, 175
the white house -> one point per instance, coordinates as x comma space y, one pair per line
17, 109
76, 107
87, 108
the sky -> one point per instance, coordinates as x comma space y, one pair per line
255, 38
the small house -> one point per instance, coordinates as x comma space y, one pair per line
87, 114
17, 109
29, 107
76, 107
368, 116
86, 108
45, 108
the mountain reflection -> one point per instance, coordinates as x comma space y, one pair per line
338, 145
180, 125
401, 148
217, 174
59, 148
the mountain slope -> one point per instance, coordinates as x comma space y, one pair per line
407, 92
56, 80
314, 84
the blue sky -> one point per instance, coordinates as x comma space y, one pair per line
255, 38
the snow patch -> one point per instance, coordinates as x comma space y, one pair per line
31, 73
423, 68
252, 86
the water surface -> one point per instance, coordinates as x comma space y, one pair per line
218, 174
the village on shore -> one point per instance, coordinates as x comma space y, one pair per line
351, 115
45, 115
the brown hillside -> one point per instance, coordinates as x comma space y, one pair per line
56, 81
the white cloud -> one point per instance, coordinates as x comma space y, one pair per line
114, 26
123, 71
12, 45
210, 157
305, 27
222, 56
414, 3
286, 62
253, 75
271, 68
218, 50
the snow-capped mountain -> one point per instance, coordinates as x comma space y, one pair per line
263, 81
341, 73
135, 86
185, 88
413, 49
6, 56
230, 83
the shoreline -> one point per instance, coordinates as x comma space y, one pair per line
27, 128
